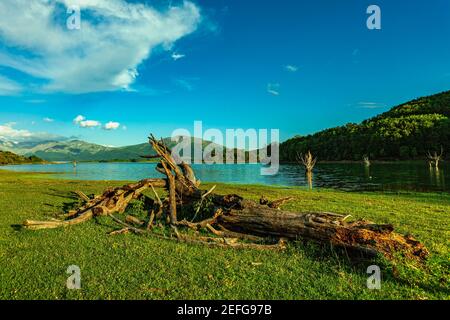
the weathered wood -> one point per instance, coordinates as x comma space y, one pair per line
236, 217
37, 225
112, 200
172, 194
360, 236
82, 196
134, 220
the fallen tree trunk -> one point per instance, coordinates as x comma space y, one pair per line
359, 237
235, 217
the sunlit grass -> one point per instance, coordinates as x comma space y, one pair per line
33, 264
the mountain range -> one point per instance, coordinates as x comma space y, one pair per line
407, 131
77, 150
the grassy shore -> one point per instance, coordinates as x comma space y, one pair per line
33, 264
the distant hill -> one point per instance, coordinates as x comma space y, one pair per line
407, 131
77, 150
7, 157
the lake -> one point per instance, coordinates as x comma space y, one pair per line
346, 176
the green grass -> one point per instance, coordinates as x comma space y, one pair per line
33, 264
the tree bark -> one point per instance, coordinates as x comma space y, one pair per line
326, 228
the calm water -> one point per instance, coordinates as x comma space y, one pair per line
346, 176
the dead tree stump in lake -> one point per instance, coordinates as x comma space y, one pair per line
435, 158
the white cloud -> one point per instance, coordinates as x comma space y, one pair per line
46, 119
9, 133
81, 121
273, 89
111, 125
291, 68
177, 56
9, 87
103, 55
89, 124
78, 119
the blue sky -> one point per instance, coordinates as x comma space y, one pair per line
297, 66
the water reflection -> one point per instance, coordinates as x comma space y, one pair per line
346, 176
367, 172
437, 177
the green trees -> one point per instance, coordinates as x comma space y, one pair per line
7, 157
408, 131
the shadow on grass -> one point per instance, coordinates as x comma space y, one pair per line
17, 227
73, 201
398, 271
59, 194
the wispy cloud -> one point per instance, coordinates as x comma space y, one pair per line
102, 56
9, 87
35, 101
177, 56
370, 105
291, 68
184, 84
187, 83
273, 89
46, 119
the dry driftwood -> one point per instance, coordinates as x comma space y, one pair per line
233, 218
112, 200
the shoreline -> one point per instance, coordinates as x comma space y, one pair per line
424, 161
380, 191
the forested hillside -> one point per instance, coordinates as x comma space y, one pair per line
7, 157
407, 131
